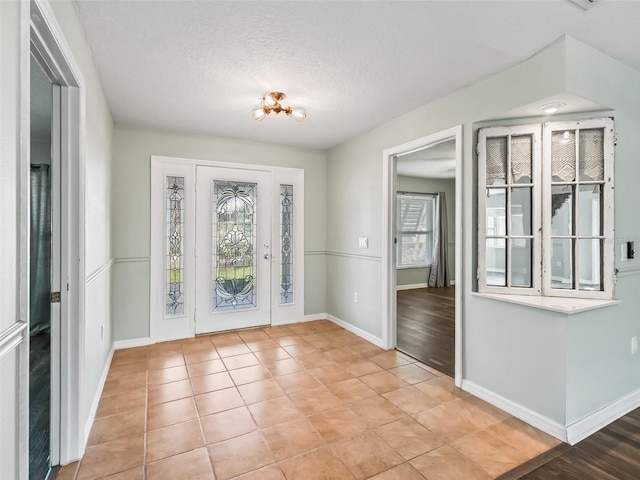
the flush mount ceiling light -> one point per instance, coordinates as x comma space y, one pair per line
271, 103
551, 108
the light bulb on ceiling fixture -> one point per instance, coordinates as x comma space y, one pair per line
271, 103
551, 108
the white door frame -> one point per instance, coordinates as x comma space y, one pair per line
389, 307
163, 328
67, 349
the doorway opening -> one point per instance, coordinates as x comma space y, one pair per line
44, 260
422, 235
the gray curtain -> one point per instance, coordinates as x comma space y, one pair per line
40, 286
439, 274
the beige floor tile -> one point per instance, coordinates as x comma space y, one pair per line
121, 402
211, 383
167, 375
117, 371
314, 360
351, 390
111, 457
130, 355
409, 438
411, 400
286, 340
274, 411
228, 424
254, 373
314, 400
389, 359
218, 401
201, 355
330, 373
109, 428
125, 383
252, 335
192, 465
232, 350
383, 382
260, 391
338, 423
342, 354
133, 474
376, 411
174, 439
412, 373
240, 455
293, 438
523, 437
455, 419
170, 413
268, 357
490, 453
169, 361
442, 389
168, 392
240, 361
266, 344
401, 472
273, 472
296, 382
225, 339
361, 367
366, 455
284, 367
279, 331
299, 349
319, 464
207, 367
447, 463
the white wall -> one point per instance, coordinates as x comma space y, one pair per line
561, 367
131, 211
412, 276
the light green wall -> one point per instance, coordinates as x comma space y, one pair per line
131, 196
412, 276
98, 132
562, 367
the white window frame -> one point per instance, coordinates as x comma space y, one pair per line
401, 233
541, 209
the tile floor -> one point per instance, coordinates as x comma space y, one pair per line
300, 402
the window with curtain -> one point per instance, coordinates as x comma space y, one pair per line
545, 211
415, 230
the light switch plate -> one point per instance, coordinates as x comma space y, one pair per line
363, 242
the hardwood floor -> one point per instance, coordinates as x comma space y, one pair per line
426, 326
39, 406
613, 453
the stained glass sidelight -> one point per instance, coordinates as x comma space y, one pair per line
286, 239
234, 246
175, 246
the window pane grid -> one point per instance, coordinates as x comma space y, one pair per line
416, 224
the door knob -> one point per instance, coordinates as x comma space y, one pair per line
267, 256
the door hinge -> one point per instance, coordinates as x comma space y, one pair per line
55, 297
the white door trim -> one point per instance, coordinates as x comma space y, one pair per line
389, 320
184, 326
54, 55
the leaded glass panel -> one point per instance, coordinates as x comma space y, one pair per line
286, 241
175, 246
234, 245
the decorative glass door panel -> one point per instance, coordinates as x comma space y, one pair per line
233, 253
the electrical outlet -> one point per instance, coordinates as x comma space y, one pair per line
363, 242
101, 332
355, 297
634, 345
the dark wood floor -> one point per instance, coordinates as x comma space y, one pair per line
39, 406
426, 326
613, 453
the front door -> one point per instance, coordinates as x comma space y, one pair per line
233, 248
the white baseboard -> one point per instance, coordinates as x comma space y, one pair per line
525, 414
590, 424
133, 342
412, 286
358, 331
315, 316
96, 398
452, 282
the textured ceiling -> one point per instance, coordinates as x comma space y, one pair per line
433, 161
200, 66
